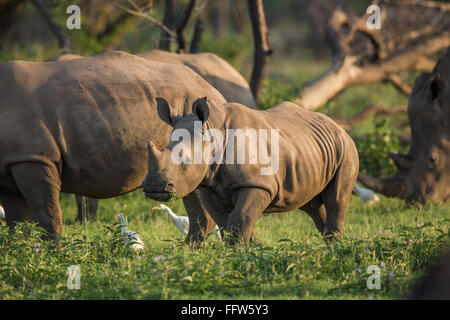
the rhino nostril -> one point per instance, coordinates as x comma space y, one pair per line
169, 188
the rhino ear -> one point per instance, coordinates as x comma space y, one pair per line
200, 109
164, 111
438, 86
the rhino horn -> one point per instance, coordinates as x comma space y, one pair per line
401, 161
390, 187
153, 153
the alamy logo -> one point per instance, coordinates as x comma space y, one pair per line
74, 20
374, 280
238, 146
374, 20
73, 273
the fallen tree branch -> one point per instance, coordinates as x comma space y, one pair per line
374, 109
348, 73
355, 63
429, 4
397, 81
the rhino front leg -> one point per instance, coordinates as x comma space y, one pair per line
16, 208
219, 215
40, 185
200, 222
250, 204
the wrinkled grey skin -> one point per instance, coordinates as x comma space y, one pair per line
82, 126
318, 166
424, 172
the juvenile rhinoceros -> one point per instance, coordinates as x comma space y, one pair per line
82, 126
313, 165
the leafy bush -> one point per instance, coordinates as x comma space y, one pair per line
373, 149
277, 90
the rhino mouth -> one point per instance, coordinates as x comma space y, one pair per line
160, 196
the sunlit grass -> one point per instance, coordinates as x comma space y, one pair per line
290, 261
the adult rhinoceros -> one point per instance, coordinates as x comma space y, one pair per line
82, 126
424, 172
215, 70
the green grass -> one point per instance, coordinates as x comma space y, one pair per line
290, 262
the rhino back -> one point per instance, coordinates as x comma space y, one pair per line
92, 117
219, 73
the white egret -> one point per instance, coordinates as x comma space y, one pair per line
182, 222
130, 237
366, 195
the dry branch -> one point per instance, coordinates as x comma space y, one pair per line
10, 12
262, 48
181, 38
63, 41
397, 81
197, 37
168, 23
375, 109
149, 18
382, 62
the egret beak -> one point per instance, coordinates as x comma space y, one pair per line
155, 207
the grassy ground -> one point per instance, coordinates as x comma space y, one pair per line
290, 262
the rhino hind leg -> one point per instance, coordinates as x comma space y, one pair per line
40, 185
92, 205
16, 208
316, 210
336, 198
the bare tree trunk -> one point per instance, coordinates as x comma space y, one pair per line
262, 49
223, 17
168, 21
63, 41
197, 38
181, 38
10, 12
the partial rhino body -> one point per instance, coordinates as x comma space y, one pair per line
82, 126
216, 71
424, 172
219, 73
316, 165
435, 284
64, 57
